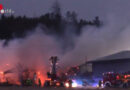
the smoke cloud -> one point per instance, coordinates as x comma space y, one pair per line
95, 42
36, 48
32, 52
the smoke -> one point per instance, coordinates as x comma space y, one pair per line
36, 48
96, 42
32, 52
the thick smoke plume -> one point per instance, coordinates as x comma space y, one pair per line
95, 42
36, 48
32, 52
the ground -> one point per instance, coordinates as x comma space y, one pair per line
32, 88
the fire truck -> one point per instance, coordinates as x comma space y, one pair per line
55, 80
116, 80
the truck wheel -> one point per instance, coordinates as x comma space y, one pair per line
46, 84
125, 85
107, 85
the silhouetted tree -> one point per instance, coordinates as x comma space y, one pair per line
12, 26
56, 8
97, 21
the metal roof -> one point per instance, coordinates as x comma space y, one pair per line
117, 56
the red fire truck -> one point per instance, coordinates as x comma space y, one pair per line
116, 80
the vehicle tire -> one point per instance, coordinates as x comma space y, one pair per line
107, 85
125, 85
46, 84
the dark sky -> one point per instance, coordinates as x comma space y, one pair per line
84, 8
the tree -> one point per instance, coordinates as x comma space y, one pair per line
71, 16
97, 21
56, 8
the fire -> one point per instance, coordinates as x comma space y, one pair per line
36, 77
24, 75
7, 64
38, 73
40, 79
58, 84
2, 77
2, 72
48, 79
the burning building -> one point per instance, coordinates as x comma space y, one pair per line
118, 62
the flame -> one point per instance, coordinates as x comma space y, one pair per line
2, 77
1, 72
48, 79
58, 84
39, 79
13, 77
7, 64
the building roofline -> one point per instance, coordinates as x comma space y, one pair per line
112, 60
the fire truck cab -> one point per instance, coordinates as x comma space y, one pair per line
111, 79
116, 80
126, 81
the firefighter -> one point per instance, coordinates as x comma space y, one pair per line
34, 79
100, 83
28, 82
70, 83
125, 84
39, 82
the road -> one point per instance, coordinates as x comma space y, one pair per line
32, 88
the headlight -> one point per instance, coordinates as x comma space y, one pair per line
74, 85
67, 85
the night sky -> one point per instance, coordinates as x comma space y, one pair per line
85, 8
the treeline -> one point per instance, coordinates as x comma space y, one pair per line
11, 26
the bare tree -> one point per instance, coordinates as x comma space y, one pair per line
56, 8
